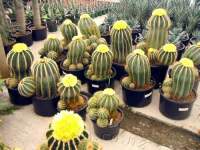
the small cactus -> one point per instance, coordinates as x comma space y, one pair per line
77, 54
167, 87
11, 83
26, 87
167, 54
19, 60
101, 64
103, 113
121, 41
158, 26
89, 145
87, 26
138, 68
153, 56
102, 122
68, 30
93, 113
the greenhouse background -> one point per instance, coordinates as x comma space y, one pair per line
99, 74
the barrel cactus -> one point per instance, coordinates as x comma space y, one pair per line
26, 87
102, 106
87, 26
46, 74
121, 41
153, 56
89, 145
138, 68
77, 55
158, 26
69, 90
68, 30
66, 131
51, 44
167, 54
193, 53
19, 60
101, 64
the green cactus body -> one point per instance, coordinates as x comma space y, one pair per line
153, 56
93, 113
52, 44
167, 54
88, 27
26, 87
138, 68
103, 113
89, 145
68, 30
121, 41
101, 63
102, 123
46, 74
19, 60
183, 78
193, 53
158, 26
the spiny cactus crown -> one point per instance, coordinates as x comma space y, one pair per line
169, 47
85, 16
159, 12
19, 47
120, 25
69, 80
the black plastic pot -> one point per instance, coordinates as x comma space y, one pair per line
137, 97
120, 71
180, 49
186, 41
176, 110
27, 38
107, 38
44, 106
52, 25
39, 34
78, 73
17, 99
109, 132
94, 86
158, 73
9, 46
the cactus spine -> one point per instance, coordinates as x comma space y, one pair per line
20, 59
68, 30
46, 74
193, 53
89, 145
101, 63
183, 78
66, 131
158, 26
138, 68
121, 41
88, 27
77, 56
26, 87
167, 54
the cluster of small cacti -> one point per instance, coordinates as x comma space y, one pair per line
138, 68
77, 56
182, 80
93, 42
69, 90
88, 27
121, 41
100, 67
158, 26
46, 75
52, 47
68, 30
66, 131
19, 60
102, 105
89, 145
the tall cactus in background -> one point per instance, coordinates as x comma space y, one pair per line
158, 26
68, 30
121, 41
46, 74
193, 53
138, 68
36, 14
183, 78
20, 59
87, 26
77, 56
167, 54
101, 64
